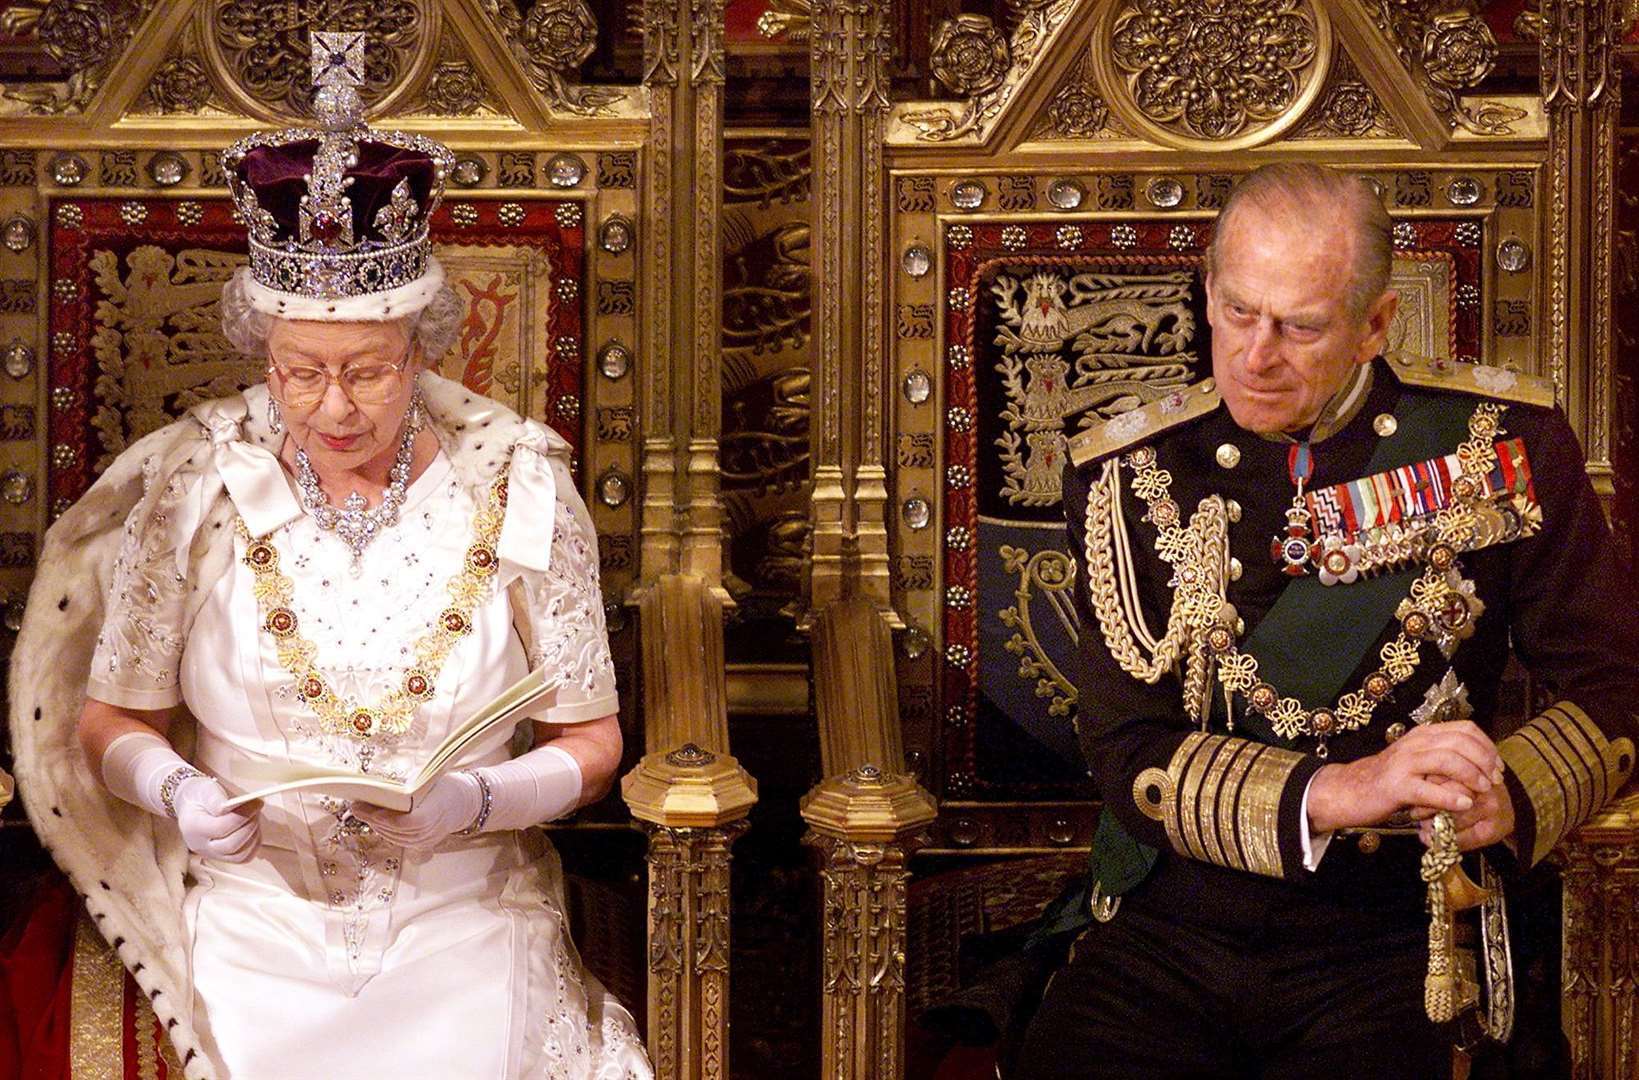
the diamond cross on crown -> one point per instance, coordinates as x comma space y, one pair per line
338, 58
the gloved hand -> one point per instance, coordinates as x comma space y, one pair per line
141, 768
208, 829
448, 806
538, 786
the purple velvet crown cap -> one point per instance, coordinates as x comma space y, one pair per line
278, 176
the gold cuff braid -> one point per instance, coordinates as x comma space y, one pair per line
1568, 770
1219, 800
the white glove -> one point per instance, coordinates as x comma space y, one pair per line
449, 806
538, 786
208, 829
141, 768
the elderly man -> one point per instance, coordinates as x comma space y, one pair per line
1301, 580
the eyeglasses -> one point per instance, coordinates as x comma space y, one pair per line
368, 382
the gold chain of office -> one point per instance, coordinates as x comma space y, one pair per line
343, 715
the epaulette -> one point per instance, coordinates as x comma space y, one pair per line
1145, 422
1482, 380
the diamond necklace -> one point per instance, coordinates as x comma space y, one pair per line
354, 523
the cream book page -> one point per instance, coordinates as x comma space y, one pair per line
526, 696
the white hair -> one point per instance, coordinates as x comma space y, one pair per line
434, 328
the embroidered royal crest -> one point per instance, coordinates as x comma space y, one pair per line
1091, 345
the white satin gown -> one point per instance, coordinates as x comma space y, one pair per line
334, 953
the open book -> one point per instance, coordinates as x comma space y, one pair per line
516, 702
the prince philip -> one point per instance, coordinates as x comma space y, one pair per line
1299, 582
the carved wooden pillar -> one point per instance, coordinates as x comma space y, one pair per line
849, 48
1600, 978
692, 798
1581, 89
1582, 94
682, 294
864, 820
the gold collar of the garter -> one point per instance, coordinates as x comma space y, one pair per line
1202, 626
394, 713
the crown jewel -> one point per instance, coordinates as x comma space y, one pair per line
340, 210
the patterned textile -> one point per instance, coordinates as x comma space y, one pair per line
135, 338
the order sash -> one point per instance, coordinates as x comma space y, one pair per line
1315, 636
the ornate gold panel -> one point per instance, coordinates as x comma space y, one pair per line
767, 375
260, 54
84, 37
1223, 76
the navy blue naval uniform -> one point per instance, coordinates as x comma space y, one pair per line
1210, 969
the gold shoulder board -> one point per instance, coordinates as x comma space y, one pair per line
1479, 379
1144, 423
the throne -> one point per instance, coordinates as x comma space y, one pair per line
983, 274
119, 237
1039, 237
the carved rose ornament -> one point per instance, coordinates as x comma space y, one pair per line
970, 55
561, 34
181, 85
82, 33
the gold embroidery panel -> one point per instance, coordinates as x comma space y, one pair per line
1229, 797
96, 1008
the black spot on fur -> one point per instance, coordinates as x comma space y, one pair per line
104, 885
117, 941
188, 1057
62, 605
139, 966
56, 811
36, 712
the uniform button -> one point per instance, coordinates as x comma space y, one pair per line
1208, 385
1228, 455
1369, 843
1233, 509
1235, 569
1385, 424
1394, 732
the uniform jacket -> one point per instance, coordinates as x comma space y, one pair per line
1561, 598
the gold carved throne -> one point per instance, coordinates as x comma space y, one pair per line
1036, 237
567, 206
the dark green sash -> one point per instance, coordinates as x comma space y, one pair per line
1315, 636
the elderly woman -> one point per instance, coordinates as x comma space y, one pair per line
332, 570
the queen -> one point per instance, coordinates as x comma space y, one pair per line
331, 569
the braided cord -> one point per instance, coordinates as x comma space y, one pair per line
1440, 989
1102, 588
